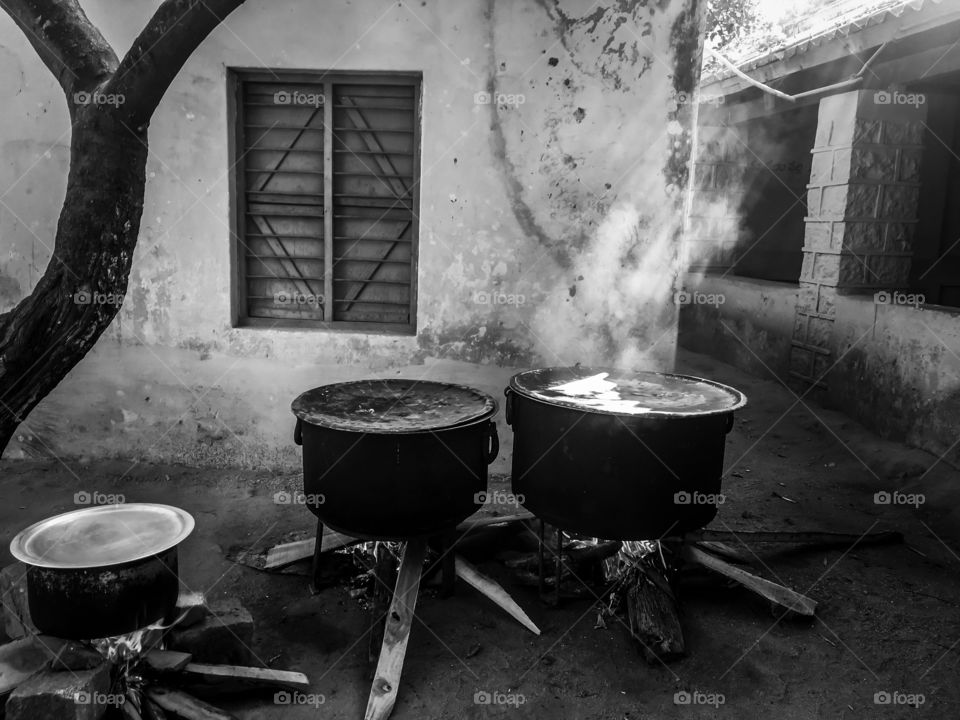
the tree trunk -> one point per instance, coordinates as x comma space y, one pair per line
84, 283
82, 288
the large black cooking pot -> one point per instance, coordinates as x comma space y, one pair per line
616, 454
103, 571
394, 458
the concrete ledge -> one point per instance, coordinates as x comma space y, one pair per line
749, 327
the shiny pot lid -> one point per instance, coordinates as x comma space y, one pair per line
393, 405
621, 392
101, 536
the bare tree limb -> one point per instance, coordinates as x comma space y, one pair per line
67, 42
156, 56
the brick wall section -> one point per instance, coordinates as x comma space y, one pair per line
862, 202
718, 183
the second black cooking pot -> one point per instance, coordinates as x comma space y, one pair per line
616, 454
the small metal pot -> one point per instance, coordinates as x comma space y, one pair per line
103, 571
102, 602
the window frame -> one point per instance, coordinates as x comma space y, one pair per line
236, 172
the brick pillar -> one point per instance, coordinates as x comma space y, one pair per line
862, 213
713, 225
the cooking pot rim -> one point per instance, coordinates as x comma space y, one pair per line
19, 545
740, 403
486, 417
491, 409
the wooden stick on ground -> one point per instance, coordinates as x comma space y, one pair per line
493, 590
184, 705
384, 578
230, 677
383, 694
280, 556
812, 538
777, 594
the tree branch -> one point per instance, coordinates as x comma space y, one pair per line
156, 56
67, 42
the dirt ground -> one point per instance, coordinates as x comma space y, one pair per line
887, 620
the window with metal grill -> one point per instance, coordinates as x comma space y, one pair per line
324, 198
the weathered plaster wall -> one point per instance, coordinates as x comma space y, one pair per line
568, 199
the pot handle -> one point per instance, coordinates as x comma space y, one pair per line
493, 442
508, 406
298, 432
729, 426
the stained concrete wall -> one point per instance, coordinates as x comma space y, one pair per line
749, 325
895, 368
568, 199
898, 370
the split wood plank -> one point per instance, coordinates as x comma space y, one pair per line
249, 677
285, 554
151, 711
492, 589
383, 694
288, 553
384, 578
184, 705
777, 594
724, 551
799, 537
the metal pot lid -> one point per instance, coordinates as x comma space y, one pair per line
101, 536
621, 392
393, 405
